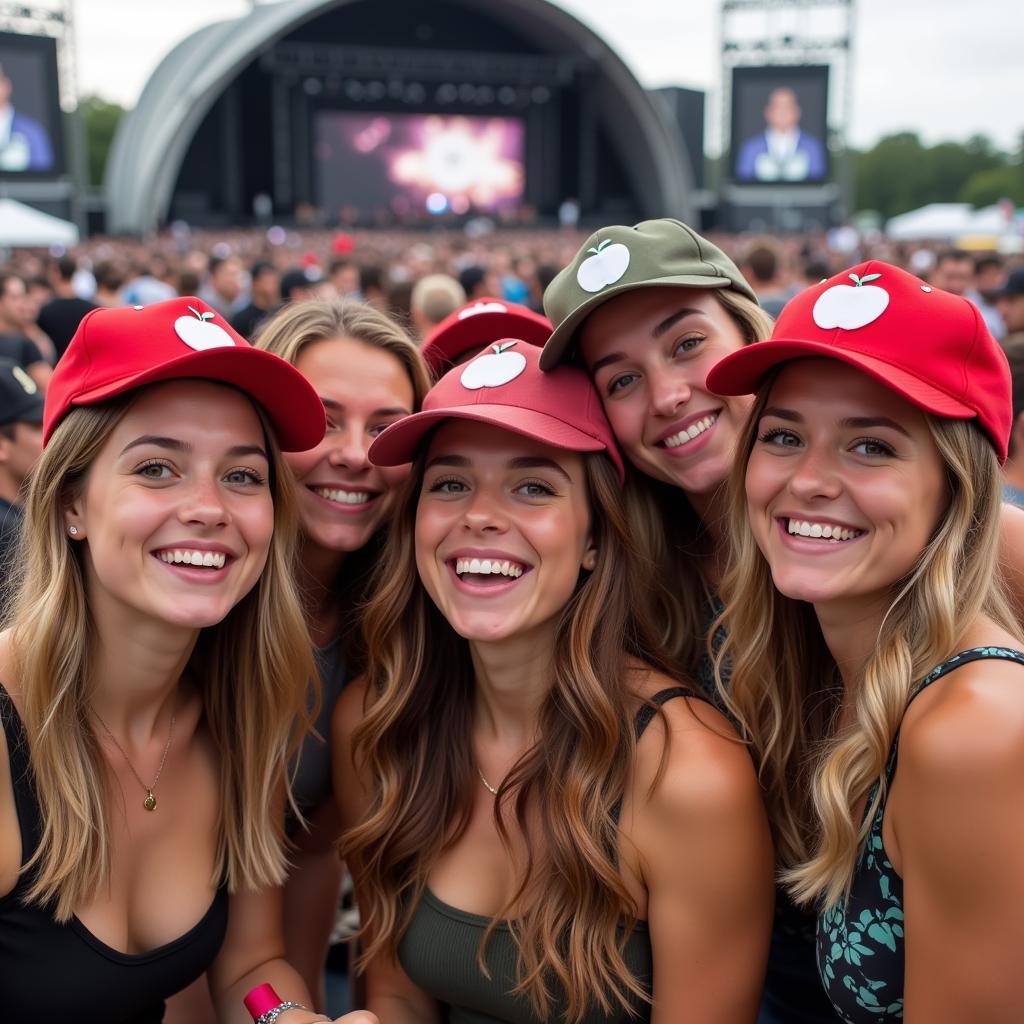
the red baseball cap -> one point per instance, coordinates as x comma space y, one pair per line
930, 346
482, 322
116, 350
505, 387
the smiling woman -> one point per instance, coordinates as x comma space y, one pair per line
147, 713
876, 667
368, 374
542, 825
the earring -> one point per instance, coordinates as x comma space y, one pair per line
73, 530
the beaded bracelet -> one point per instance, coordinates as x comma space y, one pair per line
270, 1017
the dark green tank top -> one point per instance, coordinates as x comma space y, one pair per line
439, 952
860, 944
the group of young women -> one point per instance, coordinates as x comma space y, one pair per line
593, 660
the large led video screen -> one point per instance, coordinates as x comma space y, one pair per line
779, 125
30, 117
413, 165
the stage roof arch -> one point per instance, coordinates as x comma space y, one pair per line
154, 138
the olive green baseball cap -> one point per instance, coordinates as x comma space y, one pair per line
617, 259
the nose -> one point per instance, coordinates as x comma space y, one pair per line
349, 448
667, 392
815, 476
484, 513
203, 503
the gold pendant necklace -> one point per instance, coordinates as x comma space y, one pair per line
150, 802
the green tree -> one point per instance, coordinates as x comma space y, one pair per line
900, 173
987, 187
100, 123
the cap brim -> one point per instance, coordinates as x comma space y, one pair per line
556, 347
398, 444
742, 372
289, 400
444, 347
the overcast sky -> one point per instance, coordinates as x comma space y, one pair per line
944, 68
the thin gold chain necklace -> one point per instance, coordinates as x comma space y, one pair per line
150, 802
490, 788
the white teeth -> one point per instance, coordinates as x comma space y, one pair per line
692, 431
803, 528
179, 556
342, 497
487, 567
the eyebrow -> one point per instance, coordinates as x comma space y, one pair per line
175, 445
851, 422
522, 462
664, 327
670, 321
398, 410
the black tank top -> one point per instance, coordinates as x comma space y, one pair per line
860, 943
439, 950
58, 972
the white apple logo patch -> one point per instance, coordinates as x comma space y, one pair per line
483, 307
200, 335
605, 267
850, 308
491, 371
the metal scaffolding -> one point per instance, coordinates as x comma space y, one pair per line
760, 33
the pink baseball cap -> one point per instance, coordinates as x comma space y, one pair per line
116, 350
929, 346
482, 322
506, 388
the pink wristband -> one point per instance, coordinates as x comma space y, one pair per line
261, 999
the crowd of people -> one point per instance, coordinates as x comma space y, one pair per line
636, 616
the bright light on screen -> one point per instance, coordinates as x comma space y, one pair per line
413, 164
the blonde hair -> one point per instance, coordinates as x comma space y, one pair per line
413, 745
286, 334
436, 296
785, 689
252, 670
299, 324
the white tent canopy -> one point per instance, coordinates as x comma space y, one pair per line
24, 226
948, 222
934, 221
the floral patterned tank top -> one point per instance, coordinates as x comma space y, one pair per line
860, 945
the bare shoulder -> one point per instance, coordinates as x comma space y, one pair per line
968, 726
691, 760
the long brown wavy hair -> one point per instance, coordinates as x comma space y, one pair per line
414, 744
251, 671
672, 537
785, 687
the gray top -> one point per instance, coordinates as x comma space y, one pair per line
439, 953
311, 783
